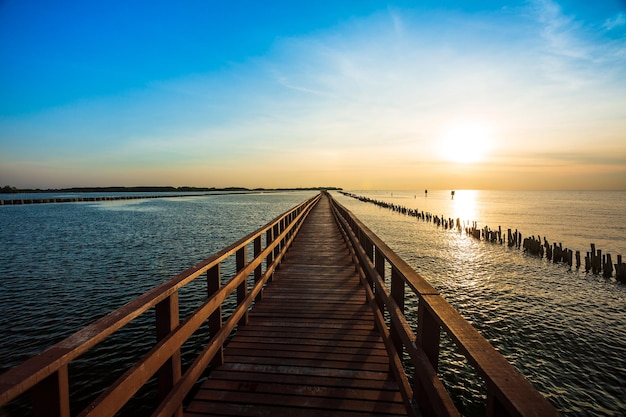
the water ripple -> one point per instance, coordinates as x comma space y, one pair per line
65, 265
563, 329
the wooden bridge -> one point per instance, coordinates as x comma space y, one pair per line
320, 331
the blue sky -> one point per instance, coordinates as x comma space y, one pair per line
357, 94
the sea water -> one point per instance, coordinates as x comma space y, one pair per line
64, 265
563, 328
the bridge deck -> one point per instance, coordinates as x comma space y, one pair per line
310, 347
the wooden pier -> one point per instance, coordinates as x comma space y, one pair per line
319, 330
310, 346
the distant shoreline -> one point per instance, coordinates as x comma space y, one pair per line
165, 192
149, 189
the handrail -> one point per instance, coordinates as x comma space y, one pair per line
46, 375
508, 392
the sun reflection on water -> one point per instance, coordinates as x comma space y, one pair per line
464, 205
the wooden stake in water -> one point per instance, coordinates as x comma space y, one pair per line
620, 269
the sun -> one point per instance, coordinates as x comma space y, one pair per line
467, 143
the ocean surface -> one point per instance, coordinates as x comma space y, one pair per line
64, 265
563, 328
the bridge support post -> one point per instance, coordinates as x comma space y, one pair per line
290, 218
379, 264
166, 320
51, 397
269, 238
215, 319
495, 408
428, 335
275, 233
257, 270
283, 225
369, 248
428, 332
242, 289
397, 294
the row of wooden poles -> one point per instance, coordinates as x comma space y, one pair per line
20, 201
595, 261
17, 202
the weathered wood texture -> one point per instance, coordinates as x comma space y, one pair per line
310, 347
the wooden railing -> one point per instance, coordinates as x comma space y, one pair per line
46, 375
508, 392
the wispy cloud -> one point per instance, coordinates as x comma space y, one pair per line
617, 21
560, 31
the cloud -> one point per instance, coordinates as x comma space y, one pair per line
615, 22
407, 84
560, 31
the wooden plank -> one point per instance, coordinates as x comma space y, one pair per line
298, 353
330, 343
344, 362
321, 349
310, 347
243, 396
292, 313
310, 371
302, 390
255, 373
323, 334
215, 409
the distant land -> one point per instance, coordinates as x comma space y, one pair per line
7, 189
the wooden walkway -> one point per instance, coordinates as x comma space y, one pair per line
310, 347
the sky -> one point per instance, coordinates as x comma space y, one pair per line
362, 94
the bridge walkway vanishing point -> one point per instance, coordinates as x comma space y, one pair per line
310, 347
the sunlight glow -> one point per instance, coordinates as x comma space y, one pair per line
464, 206
467, 143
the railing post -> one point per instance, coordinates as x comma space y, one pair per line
276, 233
51, 397
242, 289
369, 247
269, 238
166, 320
288, 222
397, 293
213, 276
283, 226
257, 270
379, 264
428, 332
495, 408
360, 236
